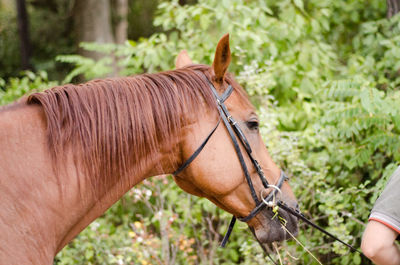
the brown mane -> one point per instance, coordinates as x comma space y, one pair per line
114, 125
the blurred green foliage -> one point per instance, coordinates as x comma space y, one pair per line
51, 26
324, 76
50, 34
28, 82
8, 40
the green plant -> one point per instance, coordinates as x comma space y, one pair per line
17, 87
324, 76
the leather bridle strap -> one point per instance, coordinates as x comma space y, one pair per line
234, 130
240, 156
232, 123
299, 215
255, 211
269, 197
197, 152
234, 133
229, 123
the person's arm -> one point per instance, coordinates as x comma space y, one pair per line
378, 244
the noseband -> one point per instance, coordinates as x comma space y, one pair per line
235, 132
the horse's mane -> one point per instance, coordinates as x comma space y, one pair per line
115, 125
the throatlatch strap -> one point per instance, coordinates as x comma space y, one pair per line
197, 152
228, 232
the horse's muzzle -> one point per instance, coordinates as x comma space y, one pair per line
274, 226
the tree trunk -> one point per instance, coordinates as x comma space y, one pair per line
23, 30
121, 27
393, 7
92, 21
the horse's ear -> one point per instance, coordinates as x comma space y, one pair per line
183, 59
222, 58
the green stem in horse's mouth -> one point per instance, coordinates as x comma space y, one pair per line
275, 211
282, 220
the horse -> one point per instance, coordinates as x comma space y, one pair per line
70, 152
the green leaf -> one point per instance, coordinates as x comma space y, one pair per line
299, 4
89, 254
356, 259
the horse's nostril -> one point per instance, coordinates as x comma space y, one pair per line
297, 206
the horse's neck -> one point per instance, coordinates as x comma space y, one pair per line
36, 221
24, 174
95, 207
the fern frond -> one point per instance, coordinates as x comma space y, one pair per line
74, 59
342, 89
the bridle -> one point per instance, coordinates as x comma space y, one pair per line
235, 132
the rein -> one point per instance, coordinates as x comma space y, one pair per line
234, 133
299, 215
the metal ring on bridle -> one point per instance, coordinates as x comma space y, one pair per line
275, 187
272, 202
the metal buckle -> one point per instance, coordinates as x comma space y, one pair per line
258, 167
231, 120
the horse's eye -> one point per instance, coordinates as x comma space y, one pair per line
252, 125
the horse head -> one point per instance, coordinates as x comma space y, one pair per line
217, 172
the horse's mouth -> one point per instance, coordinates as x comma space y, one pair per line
274, 228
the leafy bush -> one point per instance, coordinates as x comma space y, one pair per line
29, 82
324, 76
